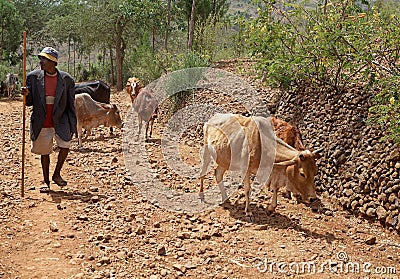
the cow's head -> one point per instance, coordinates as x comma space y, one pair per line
301, 172
113, 115
133, 86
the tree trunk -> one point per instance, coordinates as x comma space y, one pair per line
89, 63
168, 25
153, 38
69, 53
112, 67
119, 54
74, 59
104, 64
191, 26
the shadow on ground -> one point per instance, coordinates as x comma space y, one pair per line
276, 220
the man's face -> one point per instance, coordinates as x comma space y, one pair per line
46, 64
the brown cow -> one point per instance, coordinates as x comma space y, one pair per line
288, 133
144, 103
133, 87
146, 106
91, 114
247, 144
291, 135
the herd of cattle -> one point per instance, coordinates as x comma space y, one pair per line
233, 141
251, 145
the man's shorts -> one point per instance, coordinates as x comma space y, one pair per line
43, 145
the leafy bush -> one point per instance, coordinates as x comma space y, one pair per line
187, 79
327, 45
386, 110
332, 46
142, 63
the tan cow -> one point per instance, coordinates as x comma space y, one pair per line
144, 103
249, 145
91, 114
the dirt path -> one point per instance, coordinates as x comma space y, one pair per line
99, 226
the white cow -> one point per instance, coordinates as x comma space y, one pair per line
250, 146
11, 83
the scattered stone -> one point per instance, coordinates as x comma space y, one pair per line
381, 213
83, 218
163, 272
105, 260
161, 251
371, 212
190, 265
179, 267
140, 230
53, 227
157, 225
94, 189
371, 240
70, 235
261, 227
184, 235
121, 255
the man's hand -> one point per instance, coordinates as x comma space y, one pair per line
24, 91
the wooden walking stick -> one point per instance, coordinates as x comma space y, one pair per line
23, 118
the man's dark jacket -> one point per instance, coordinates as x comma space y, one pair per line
64, 116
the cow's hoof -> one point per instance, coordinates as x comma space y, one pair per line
271, 209
249, 217
201, 196
287, 195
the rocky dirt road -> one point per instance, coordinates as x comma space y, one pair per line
100, 226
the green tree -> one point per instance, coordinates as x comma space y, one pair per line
67, 27
35, 15
11, 29
205, 11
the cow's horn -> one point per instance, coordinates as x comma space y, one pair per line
318, 151
286, 163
